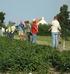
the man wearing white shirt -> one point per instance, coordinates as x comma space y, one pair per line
55, 29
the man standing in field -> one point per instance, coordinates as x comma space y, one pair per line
28, 29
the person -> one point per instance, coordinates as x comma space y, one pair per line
9, 32
2, 31
21, 31
28, 30
55, 30
34, 30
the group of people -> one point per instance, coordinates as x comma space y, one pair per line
10, 31
28, 30
32, 30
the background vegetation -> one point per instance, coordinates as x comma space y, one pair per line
44, 30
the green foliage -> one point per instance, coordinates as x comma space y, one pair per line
16, 55
64, 20
2, 14
43, 30
61, 61
2, 17
23, 56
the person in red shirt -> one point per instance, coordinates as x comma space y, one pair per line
34, 30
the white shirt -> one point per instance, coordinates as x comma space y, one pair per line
3, 29
55, 26
13, 28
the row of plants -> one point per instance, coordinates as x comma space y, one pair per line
16, 55
61, 61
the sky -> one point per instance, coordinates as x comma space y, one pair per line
17, 10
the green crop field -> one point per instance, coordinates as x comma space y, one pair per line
22, 57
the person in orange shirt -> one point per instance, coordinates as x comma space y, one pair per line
34, 30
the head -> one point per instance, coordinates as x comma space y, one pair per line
35, 21
21, 22
26, 22
55, 17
